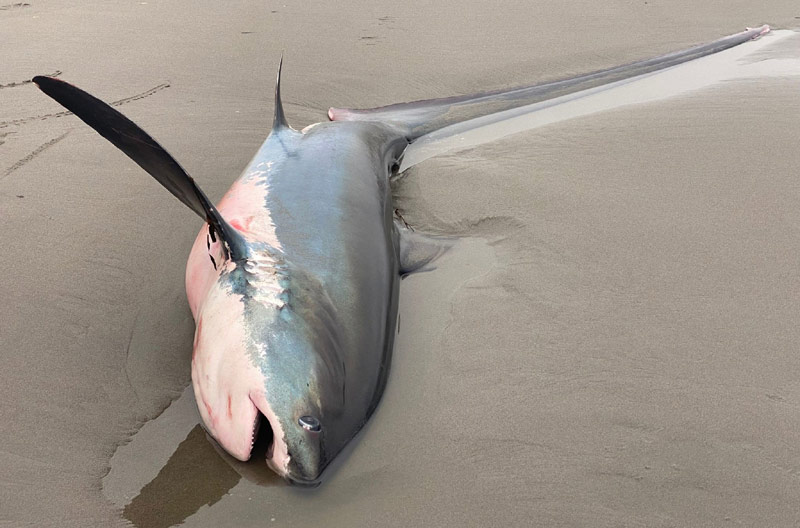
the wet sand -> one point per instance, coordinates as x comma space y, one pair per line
622, 350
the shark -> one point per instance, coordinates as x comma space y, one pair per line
293, 280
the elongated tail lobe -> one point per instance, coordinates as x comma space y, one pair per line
421, 117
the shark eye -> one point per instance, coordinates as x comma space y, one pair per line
309, 423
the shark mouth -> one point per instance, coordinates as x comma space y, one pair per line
262, 437
267, 431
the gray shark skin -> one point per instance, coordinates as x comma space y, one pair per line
333, 337
293, 280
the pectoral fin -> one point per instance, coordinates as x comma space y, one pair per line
418, 251
146, 152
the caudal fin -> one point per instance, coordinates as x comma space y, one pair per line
421, 117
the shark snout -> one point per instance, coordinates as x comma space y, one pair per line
304, 475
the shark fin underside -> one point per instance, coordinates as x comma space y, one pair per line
147, 153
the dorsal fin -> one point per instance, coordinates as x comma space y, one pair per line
147, 153
279, 120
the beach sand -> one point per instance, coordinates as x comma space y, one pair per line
617, 347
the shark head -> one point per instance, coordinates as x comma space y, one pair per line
266, 358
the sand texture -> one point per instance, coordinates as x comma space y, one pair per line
618, 346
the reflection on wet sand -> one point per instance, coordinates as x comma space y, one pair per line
254, 470
198, 473
172, 468
194, 476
